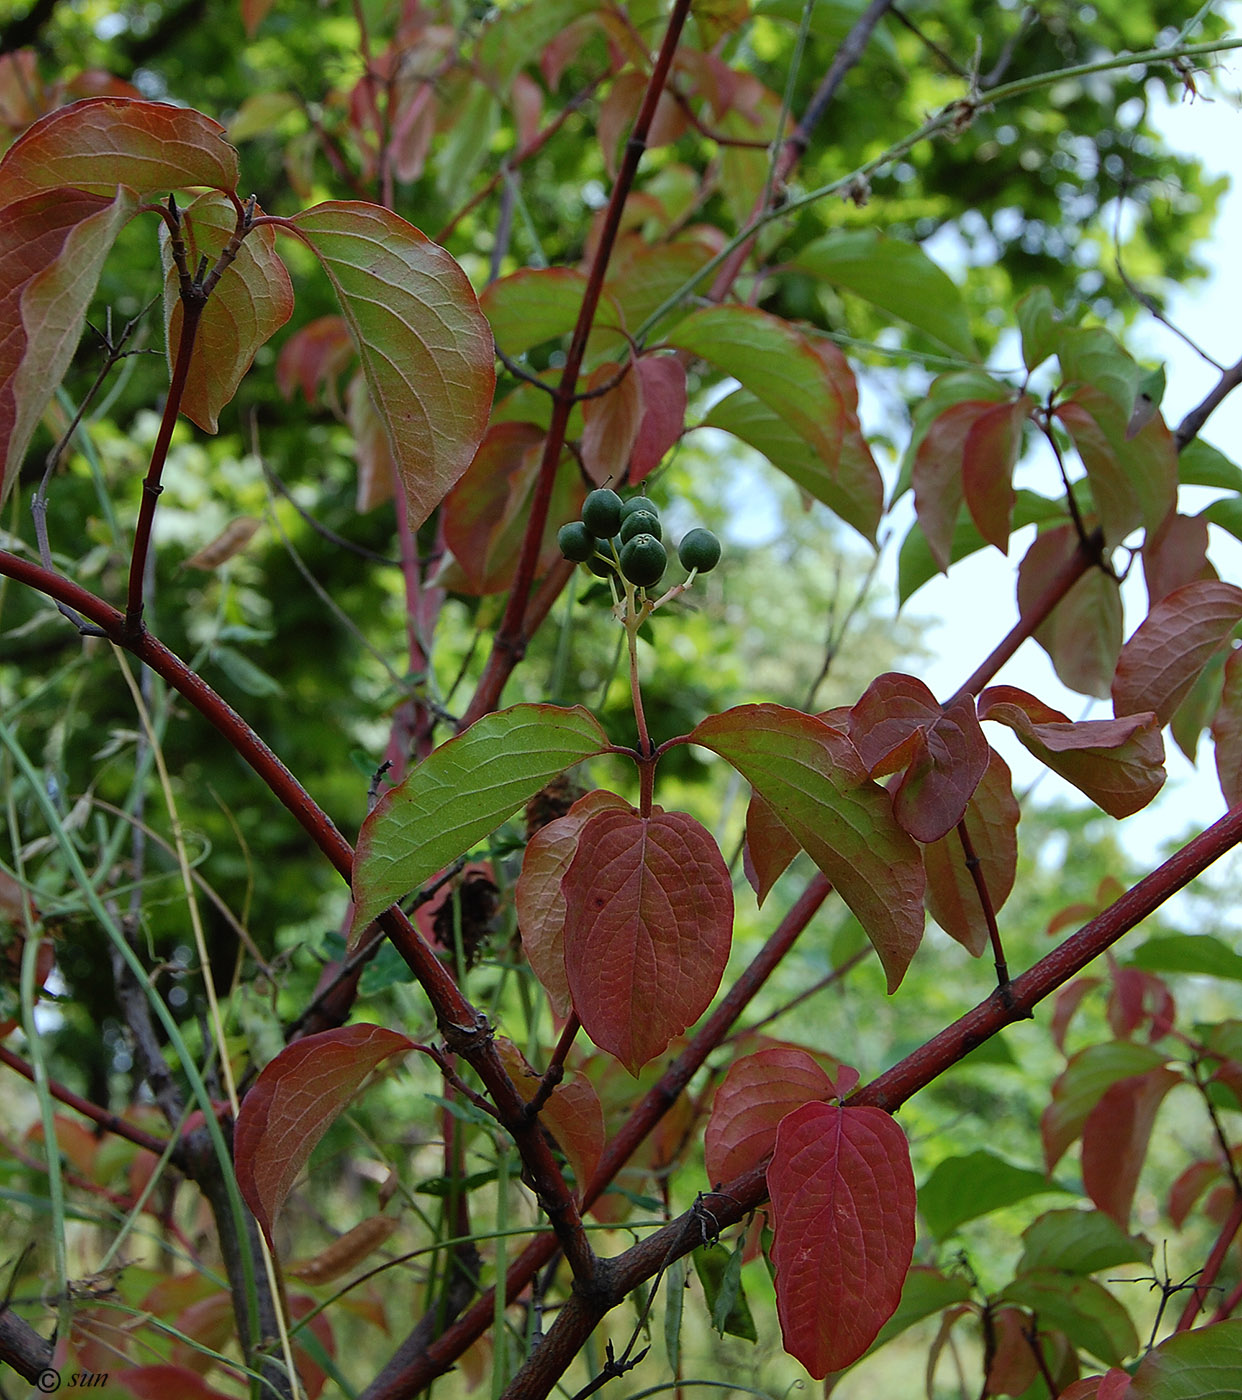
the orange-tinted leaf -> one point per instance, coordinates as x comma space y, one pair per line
1012, 1367
345, 1252
992, 824
611, 422
235, 536
756, 1094
249, 305
540, 903
102, 142
294, 1102
816, 784
254, 12
1227, 731
314, 358
663, 381
989, 456
52, 248
1118, 763
1115, 1137
1164, 657
648, 925
770, 846
426, 348
573, 1114
899, 723
1082, 636
485, 513
1082, 1084
843, 1202
1133, 480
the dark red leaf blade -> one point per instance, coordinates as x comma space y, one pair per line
1115, 1138
1227, 731
648, 925
755, 1095
989, 456
936, 473
843, 1203
663, 380
102, 142
1118, 763
992, 824
770, 847
610, 422
1164, 657
293, 1104
539, 899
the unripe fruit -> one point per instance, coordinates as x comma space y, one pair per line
576, 541
699, 549
639, 522
643, 560
601, 513
639, 503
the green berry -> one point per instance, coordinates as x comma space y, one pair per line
576, 541
601, 513
699, 549
639, 503
643, 559
639, 522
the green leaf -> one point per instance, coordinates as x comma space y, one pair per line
1205, 1364
539, 304
1079, 1242
1084, 1310
721, 1277
1081, 1085
1200, 464
1227, 514
461, 793
517, 36
926, 1291
425, 346
1198, 954
1037, 321
814, 781
674, 1308
854, 490
965, 1188
896, 276
244, 674
1093, 357
777, 364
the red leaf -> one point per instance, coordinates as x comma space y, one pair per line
294, 1102
989, 456
649, 905
814, 781
663, 380
898, 723
1082, 636
1164, 657
249, 305
159, 1382
314, 358
843, 1203
102, 142
1118, 763
52, 248
992, 824
1082, 1084
485, 514
756, 1094
1115, 1138
937, 473
573, 1114
1012, 1367
377, 468
1113, 1385
1227, 732
610, 423
770, 847
1175, 555
1067, 1001
1138, 997
1189, 1186
540, 902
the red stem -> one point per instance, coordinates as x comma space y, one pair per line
191, 313
1203, 1285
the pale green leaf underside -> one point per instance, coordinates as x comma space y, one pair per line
460, 794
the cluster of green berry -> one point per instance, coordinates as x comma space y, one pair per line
627, 534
